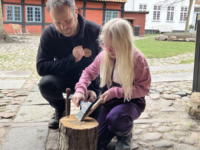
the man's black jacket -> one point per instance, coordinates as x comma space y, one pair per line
55, 51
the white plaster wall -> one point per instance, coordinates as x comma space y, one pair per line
129, 5
194, 18
173, 25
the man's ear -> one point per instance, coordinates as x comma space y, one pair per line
76, 12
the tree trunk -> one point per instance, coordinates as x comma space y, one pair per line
4, 37
188, 16
78, 135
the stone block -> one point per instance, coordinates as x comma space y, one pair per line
195, 98
193, 109
172, 38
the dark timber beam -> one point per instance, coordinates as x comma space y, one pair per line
122, 10
104, 13
196, 78
22, 3
84, 7
43, 14
23, 14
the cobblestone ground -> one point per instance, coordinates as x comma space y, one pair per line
163, 125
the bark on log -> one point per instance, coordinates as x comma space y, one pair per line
78, 135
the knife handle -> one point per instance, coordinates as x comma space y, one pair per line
94, 107
68, 103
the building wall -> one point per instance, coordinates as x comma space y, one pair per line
139, 20
94, 15
93, 11
176, 24
129, 5
33, 28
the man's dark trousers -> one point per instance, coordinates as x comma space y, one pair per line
52, 88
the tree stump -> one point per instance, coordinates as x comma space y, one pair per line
78, 135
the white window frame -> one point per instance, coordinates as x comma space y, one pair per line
156, 12
142, 7
184, 13
170, 13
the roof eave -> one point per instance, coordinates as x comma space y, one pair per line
139, 12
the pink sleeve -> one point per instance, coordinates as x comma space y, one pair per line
89, 74
142, 82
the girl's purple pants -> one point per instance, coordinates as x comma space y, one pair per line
119, 118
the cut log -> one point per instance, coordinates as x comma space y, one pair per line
78, 135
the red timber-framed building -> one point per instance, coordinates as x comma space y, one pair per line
33, 15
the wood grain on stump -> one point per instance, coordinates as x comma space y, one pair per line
78, 135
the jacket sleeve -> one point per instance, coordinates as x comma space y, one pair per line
45, 57
142, 82
88, 75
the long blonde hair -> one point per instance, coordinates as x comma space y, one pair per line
120, 33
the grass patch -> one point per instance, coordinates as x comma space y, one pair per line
4, 56
187, 61
191, 125
146, 35
162, 49
175, 135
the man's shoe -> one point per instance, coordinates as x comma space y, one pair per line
54, 121
124, 140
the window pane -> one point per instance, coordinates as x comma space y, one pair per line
185, 8
9, 13
168, 15
182, 8
185, 16
37, 14
155, 7
172, 16
108, 15
115, 15
154, 15
158, 15
17, 13
30, 13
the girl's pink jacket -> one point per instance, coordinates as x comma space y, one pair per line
142, 81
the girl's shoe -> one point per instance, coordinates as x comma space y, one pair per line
124, 142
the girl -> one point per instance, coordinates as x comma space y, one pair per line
125, 80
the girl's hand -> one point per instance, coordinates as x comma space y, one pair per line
106, 96
77, 97
92, 96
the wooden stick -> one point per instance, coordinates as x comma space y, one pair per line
68, 104
94, 107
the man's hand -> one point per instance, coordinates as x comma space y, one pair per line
78, 53
92, 96
105, 96
77, 97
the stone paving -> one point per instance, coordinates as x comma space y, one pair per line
24, 114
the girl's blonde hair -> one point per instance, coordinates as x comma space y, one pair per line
120, 34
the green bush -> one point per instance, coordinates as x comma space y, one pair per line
182, 35
191, 27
